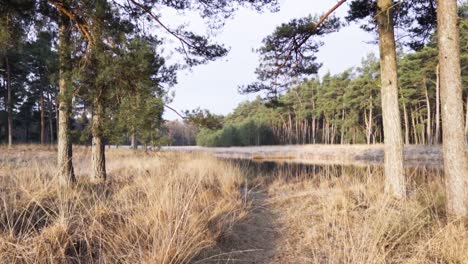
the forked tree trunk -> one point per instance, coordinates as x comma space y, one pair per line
98, 147
9, 103
64, 144
43, 121
454, 145
394, 171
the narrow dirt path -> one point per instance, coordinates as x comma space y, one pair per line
258, 237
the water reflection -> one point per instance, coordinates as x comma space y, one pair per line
293, 170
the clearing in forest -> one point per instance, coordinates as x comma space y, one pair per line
194, 208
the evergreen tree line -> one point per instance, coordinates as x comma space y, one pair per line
345, 108
110, 74
93, 72
288, 54
32, 68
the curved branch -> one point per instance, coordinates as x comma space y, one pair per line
81, 25
314, 29
175, 111
150, 13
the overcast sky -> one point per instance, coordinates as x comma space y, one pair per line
214, 86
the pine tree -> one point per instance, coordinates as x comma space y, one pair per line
64, 144
454, 145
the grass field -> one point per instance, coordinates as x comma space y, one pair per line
174, 207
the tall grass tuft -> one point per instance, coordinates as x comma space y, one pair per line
156, 208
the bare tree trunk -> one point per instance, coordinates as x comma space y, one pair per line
290, 127
342, 127
51, 126
415, 132
296, 125
9, 103
466, 119
454, 145
332, 137
98, 147
43, 121
423, 132
133, 144
429, 123
407, 129
314, 127
64, 146
394, 171
437, 115
371, 118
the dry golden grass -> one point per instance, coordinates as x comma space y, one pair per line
193, 208
167, 208
349, 220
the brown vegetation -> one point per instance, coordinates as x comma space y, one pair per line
155, 209
193, 208
348, 219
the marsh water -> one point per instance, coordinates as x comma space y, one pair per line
298, 171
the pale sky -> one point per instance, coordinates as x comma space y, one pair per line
214, 86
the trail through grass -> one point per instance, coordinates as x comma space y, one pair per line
194, 208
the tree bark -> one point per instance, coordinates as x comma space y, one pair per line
454, 145
9, 103
64, 144
98, 147
394, 171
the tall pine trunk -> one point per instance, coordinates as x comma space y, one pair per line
314, 130
371, 118
407, 129
98, 147
43, 121
415, 131
429, 112
51, 116
394, 171
466, 119
454, 145
9, 103
133, 143
437, 115
64, 144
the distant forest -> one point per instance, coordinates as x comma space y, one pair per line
336, 109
